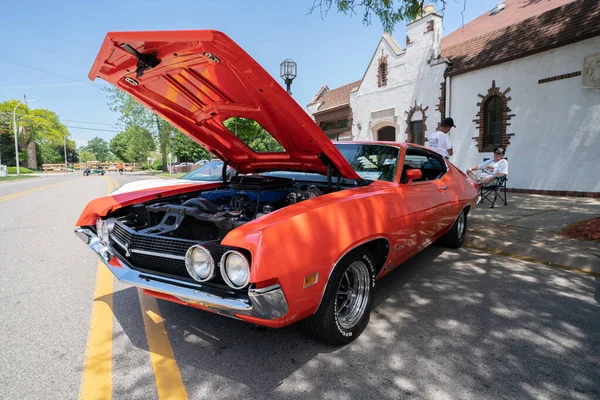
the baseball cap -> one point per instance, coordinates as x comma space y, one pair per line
499, 150
448, 122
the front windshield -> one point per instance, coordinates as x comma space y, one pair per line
211, 172
371, 161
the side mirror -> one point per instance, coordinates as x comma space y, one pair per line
413, 174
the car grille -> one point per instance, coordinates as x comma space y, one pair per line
156, 265
147, 262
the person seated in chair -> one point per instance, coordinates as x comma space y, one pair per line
490, 169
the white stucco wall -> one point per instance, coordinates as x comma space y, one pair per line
411, 78
556, 145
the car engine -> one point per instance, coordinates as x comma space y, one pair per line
155, 236
211, 214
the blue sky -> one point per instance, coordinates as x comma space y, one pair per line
63, 37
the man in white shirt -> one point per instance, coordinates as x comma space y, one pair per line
439, 141
490, 169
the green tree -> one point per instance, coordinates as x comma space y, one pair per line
140, 143
252, 134
48, 154
40, 126
133, 113
186, 149
98, 147
85, 156
389, 12
118, 146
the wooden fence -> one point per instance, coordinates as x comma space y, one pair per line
107, 166
54, 168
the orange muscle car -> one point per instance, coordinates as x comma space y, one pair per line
299, 234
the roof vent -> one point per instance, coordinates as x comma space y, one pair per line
497, 8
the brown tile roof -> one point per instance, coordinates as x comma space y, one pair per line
484, 44
336, 97
514, 11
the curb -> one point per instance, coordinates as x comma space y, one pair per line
587, 264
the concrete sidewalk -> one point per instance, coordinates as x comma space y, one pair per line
529, 227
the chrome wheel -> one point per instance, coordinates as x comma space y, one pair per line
352, 295
460, 225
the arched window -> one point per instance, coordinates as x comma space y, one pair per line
493, 119
415, 124
494, 107
387, 134
416, 128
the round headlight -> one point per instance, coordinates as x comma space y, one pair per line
235, 269
102, 230
199, 263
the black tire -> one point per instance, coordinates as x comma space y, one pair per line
355, 272
456, 236
101, 173
86, 173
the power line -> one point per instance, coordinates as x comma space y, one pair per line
87, 122
92, 129
67, 120
40, 70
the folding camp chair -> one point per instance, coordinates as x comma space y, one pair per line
494, 190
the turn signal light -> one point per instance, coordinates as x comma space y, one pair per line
311, 279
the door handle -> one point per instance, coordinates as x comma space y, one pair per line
443, 188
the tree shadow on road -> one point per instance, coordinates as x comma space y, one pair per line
444, 323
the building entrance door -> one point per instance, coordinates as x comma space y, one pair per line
387, 134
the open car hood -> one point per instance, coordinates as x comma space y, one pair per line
198, 79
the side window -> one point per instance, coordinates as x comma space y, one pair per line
431, 164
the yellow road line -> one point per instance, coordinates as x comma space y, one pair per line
24, 192
96, 381
169, 384
168, 378
97, 377
97, 373
110, 184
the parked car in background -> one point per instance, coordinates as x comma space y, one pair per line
211, 172
263, 247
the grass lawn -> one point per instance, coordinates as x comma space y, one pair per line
15, 178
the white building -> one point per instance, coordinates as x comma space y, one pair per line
525, 76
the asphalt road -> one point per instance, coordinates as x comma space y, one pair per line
446, 325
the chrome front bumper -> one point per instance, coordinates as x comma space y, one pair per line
265, 303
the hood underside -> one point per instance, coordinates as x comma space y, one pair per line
198, 79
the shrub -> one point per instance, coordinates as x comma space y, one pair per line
23, 170
157, 167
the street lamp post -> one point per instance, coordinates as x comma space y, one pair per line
288, 73
172, 151
16, 134
65, 144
